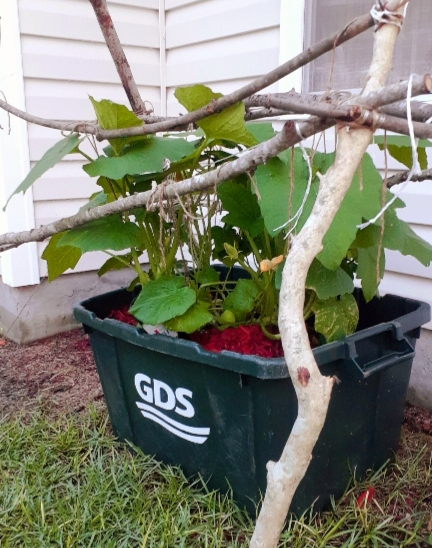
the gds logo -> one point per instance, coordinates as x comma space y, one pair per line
158, 395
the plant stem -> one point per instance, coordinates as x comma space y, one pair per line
253, 246
143, 276
307, 311
271, 336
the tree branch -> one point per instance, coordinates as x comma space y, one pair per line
247, 161
420, 112
403, 176
356, 27
313, 389
118, 56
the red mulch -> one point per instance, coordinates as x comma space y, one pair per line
244, 339
123, 315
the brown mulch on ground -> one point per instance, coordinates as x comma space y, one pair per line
58, 372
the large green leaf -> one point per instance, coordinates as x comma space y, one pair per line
228, 125
336, 318
362, 201
242, 206
328, 283
110, 233
59, 259
273, 181
262, 131
399, 147
163, 299
242, 300
367, 270
399, 236
399, 140
193, 319
51, 157
144, 157
114, 116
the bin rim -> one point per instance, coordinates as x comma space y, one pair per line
255, 366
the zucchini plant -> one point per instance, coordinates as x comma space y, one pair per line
248, 222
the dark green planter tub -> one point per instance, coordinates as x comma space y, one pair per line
226, 415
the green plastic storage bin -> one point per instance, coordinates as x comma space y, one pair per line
226, 415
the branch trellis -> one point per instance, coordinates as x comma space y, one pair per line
355, 117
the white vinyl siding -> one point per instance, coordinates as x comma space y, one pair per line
219, 43
65, 59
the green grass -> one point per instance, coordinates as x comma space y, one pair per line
67, 483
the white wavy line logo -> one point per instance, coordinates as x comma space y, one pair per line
190, 433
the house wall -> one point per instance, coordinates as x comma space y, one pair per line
65, 59
219, 43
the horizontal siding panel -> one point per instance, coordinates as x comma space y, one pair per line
70, 100
172, 4
65, 181
407, 286
82, 61
41, 139
75, 20
247, 56
215, 19
149, 4
49, 211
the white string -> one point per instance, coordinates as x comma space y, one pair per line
297, 216
415, 170
382, 16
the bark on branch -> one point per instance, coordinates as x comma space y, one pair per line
287, 138
402, 177
118, 56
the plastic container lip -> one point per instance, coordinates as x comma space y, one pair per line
256, 366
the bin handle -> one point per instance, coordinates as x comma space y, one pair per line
404, 350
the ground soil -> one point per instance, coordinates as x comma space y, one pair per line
60, 373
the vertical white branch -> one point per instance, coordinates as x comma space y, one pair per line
313, 390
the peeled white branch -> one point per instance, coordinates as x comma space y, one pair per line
313, 390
